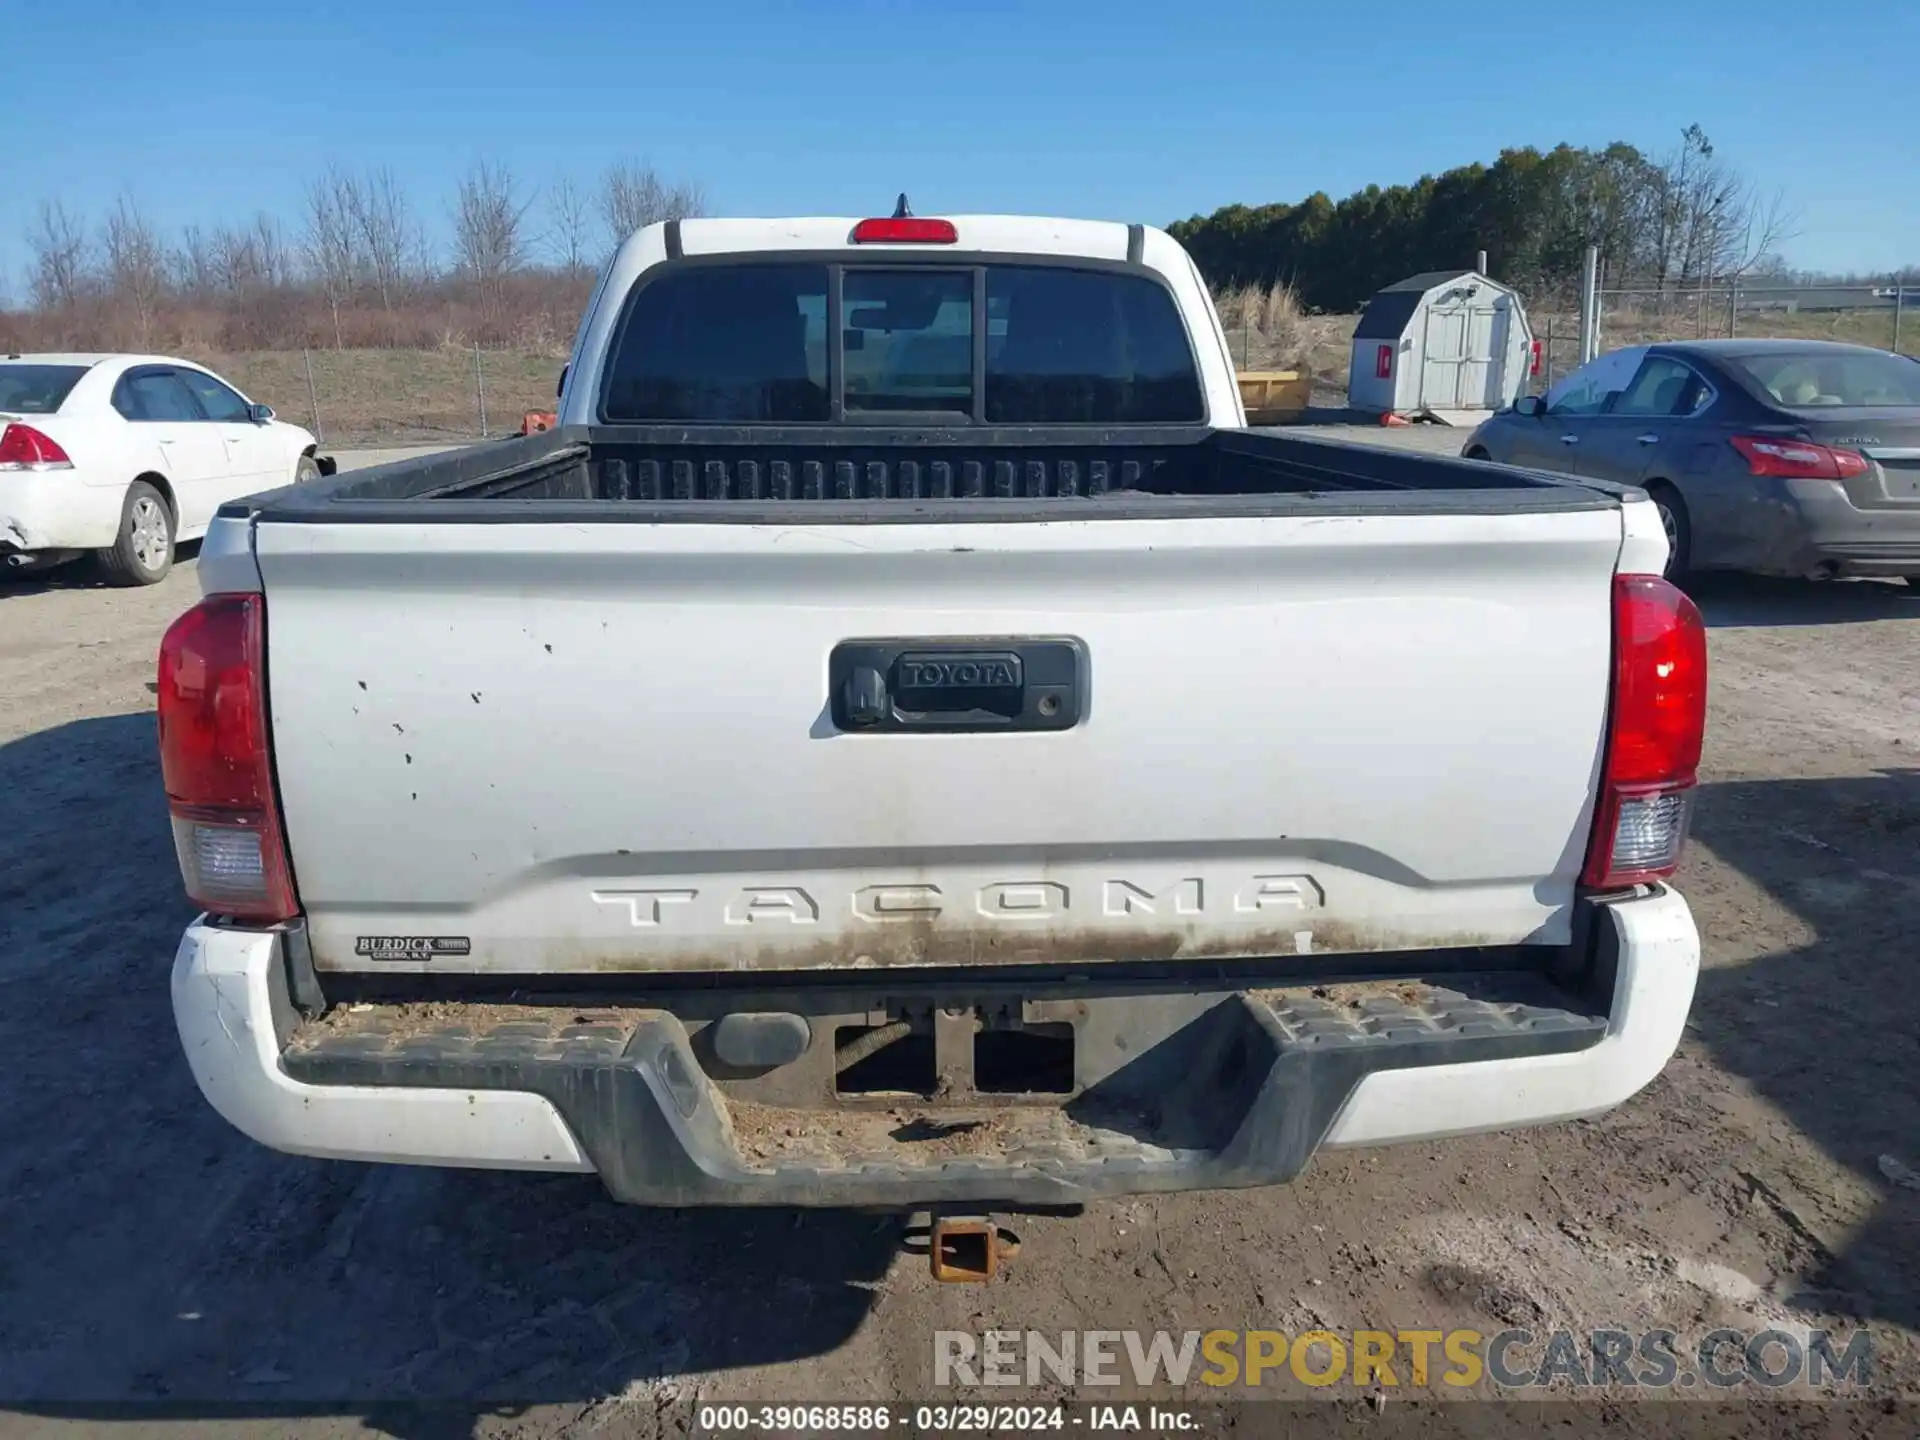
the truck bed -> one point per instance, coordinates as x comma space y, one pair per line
671, 472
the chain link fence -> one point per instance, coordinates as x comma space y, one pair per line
1881, 316
453, 394
351, 398
1884, 317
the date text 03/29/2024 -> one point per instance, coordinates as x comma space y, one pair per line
939, 1419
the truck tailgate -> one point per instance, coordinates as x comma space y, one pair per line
610, 747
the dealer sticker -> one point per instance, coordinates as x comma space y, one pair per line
411, 947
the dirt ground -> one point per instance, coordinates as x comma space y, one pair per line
154, 1257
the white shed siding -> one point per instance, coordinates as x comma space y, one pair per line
1455, 350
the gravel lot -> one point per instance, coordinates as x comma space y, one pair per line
153, 1254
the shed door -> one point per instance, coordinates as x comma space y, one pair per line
1488, 339
1463, 338
1443, 349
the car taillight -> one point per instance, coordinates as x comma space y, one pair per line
1797, 459
1655, 724
215, 762
24, 448
1383, 363
905, 230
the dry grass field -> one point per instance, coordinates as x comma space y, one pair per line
396, 396
405, 395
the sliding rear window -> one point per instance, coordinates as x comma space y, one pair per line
783, 343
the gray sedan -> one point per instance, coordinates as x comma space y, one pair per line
1776, 457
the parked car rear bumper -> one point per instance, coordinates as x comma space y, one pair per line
56, 510
1835, 538
634, 1103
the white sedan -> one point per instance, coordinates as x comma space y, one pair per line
127, 455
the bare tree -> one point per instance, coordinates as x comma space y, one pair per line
268, 245
58, 240
247, 259
331, 242
488, 231
1705, 222
236, 269
633, 195
1764, 224
488, 223
389, 238
136, 265
569, 226
197, 262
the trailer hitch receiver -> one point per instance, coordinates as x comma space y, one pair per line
964, 1249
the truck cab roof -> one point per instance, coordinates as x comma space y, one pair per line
1008, 234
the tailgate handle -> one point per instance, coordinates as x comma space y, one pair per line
984, 684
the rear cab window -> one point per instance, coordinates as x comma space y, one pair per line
1831, 379
37, 389
770, 342
908, 341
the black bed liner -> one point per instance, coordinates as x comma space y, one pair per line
864, 474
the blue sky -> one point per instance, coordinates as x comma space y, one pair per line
1121, 109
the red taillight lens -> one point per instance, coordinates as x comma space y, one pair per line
1797, 459
1534, 368
24, 448
1383, 363
216, 764
905, 230
1655, 725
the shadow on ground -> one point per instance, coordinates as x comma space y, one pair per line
79, 573
1752, 600
1829, 1033
159, 1263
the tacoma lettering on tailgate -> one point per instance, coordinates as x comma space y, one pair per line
1259, 897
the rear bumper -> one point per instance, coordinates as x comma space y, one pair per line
1868, 558
632, 1103
56, 510
1837, 538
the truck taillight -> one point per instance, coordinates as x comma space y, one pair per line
1383, 363
905, 230
1534, 367
1655, 724
216, 764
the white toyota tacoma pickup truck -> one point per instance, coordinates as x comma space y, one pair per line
902, 740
